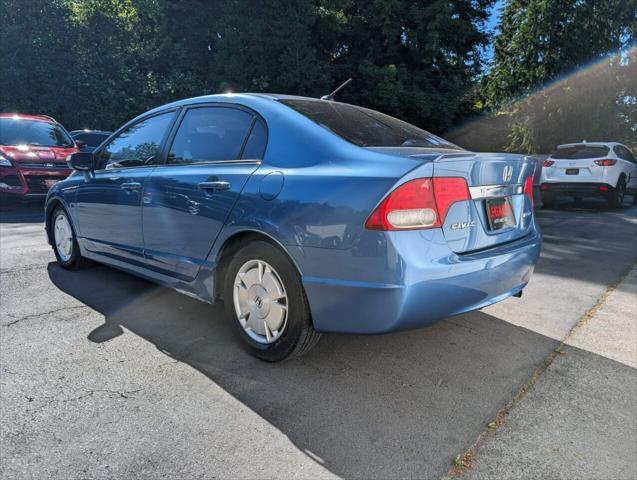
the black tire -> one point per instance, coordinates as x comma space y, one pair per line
548, 200
298, 335
75, 261
617, 194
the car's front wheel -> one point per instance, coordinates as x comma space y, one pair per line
617, 194
264, 298
65, 246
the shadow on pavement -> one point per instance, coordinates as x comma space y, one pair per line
576, 236
15, 211
400, 405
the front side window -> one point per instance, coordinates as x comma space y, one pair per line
365, 127
210, 133
19, 131
138, 145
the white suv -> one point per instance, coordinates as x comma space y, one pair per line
587, 169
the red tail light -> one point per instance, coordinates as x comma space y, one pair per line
417, 204
603, 188
545, 187
528, 189
548, 163
606, 162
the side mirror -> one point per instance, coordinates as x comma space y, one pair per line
81, 161
80, 144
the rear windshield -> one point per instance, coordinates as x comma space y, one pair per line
33, 132
580, 151
364, 127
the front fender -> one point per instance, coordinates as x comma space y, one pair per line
60, 194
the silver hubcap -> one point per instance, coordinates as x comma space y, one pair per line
260, 301
63, 237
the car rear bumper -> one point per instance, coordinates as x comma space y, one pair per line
435, 284
575, 188
21, 182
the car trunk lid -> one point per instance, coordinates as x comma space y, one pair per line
497, 211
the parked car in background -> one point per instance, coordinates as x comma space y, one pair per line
303, 215
89, 140
33, 151
589, 169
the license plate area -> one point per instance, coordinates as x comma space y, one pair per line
500, 213
572, 171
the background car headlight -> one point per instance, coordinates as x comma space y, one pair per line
5, 162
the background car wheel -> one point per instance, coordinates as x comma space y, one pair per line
265, 300
65, 246
548, 200
617, 194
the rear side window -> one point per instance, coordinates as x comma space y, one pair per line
137, 145
624, 153
210, 133
255, 146
364, 127
577, 152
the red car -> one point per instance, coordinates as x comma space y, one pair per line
33, 151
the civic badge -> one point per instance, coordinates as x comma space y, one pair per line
460, 225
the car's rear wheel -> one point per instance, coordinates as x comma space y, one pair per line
265, 300
617, 194
65, 246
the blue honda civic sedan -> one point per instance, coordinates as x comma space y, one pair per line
302, 215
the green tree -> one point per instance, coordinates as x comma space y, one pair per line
552, 77
416, 60
36, 57
97, 63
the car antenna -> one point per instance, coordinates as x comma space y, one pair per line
333, 94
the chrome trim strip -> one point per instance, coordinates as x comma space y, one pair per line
495, 191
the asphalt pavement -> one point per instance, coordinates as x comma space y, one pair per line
105, 375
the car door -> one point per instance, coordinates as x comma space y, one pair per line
210, 156
108, 203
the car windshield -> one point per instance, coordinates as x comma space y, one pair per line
364, 127
575, 152
17, 131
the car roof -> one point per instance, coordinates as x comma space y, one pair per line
256, 101
230, 96
24, 116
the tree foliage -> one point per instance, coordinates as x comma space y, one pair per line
96, 63
564, 71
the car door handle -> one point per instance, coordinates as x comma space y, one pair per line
214, 186
131, 186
